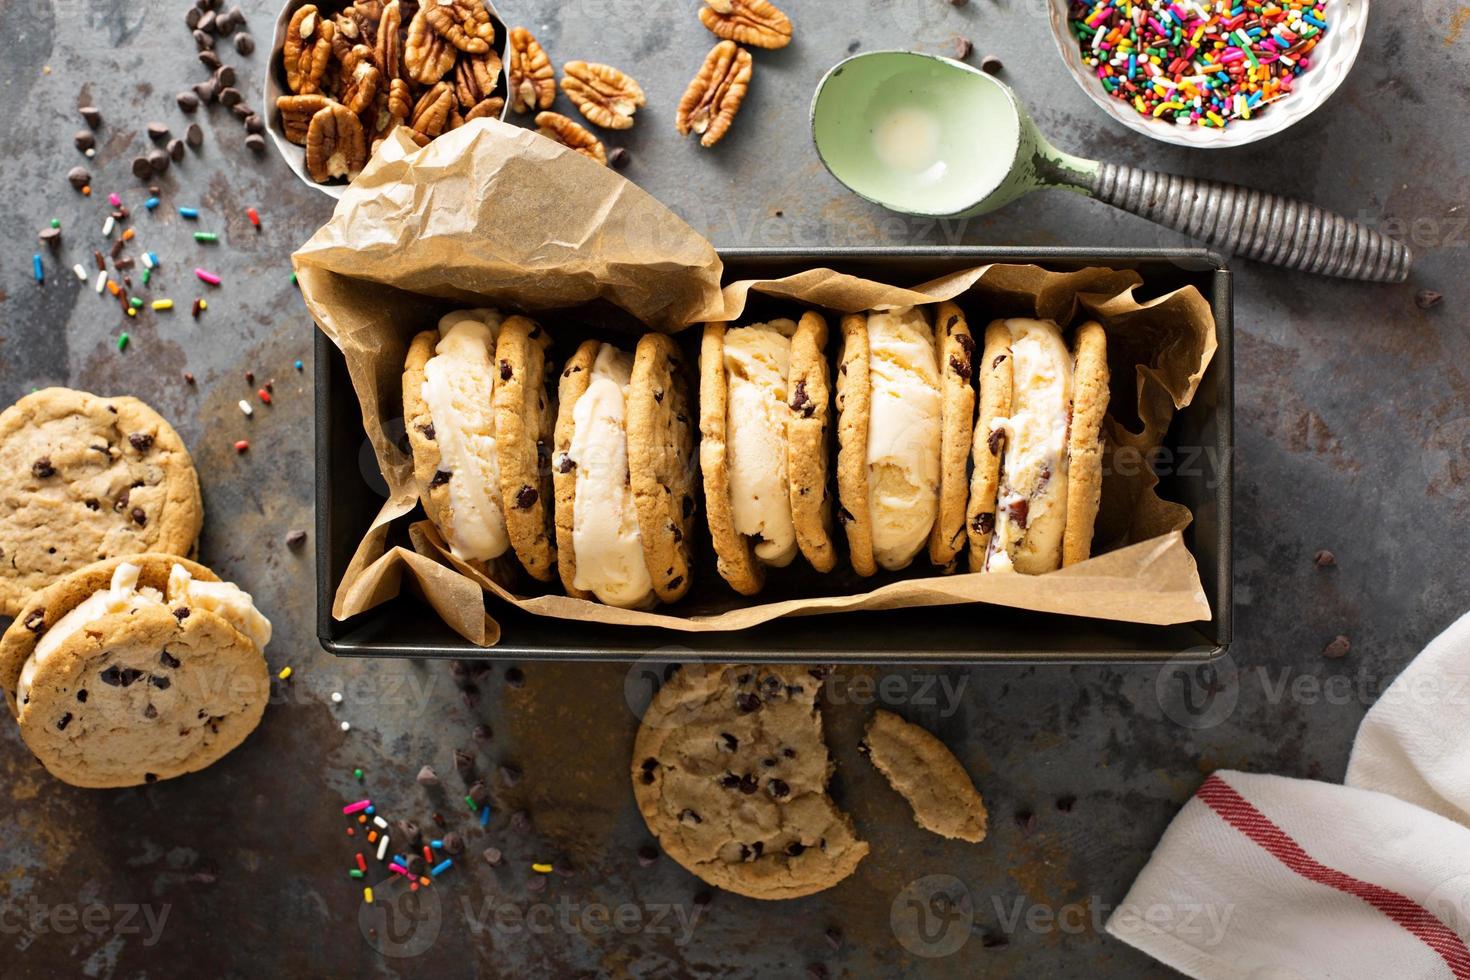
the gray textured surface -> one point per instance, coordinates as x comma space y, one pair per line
1353, 435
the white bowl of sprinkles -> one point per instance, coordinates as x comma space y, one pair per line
1217, 72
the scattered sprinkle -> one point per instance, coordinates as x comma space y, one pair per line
336, 697
101, 282
38, 269
108, 226
207, 237
207, 276
151, 203
382, 847
352, 808
298, 364
241, 445
263, 395
163, 304
127, 235
122, 341
441, 867
190, 213
246, 409
367, 896
357, 775
81, 273
114, 200
285, 673
346, 726
541, 869
254, 216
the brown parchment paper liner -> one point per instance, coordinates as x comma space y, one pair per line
491, 214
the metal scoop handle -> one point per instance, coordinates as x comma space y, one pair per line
1257, 225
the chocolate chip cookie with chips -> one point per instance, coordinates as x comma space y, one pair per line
83, 478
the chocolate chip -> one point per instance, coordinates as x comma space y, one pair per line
481, 733
801, 401
749, 784
427, 776
139, 518
689, 818
78, 177
176, 149
191, 17
676, 581
984, 523
747, 702
1338, 648
795, 848
141, 441
565, 464
464, 764
228, 94
515, 677
778, 788
492, 856
962, 48
85, 140
647, 855
537, 884
505, 370
440, 478
729, 781
150, 777
253, 123
208, 22
50, 237
996, 363
1324, 559
157, 132
36, 620
452, 843
158, 162
619, 158
844, 516
255, 143
42, 468
162, 683
169, 660
202, 39
206, 90
122, 501
519, 822
526, 497
728, 742
962, 367
82, 695
1019, 510
995, 441
150, 712
510, 775
1065, 803
245, 44
295, 538
1427, 299
115, 676
92, 115
243, 111
991, 65
63, 721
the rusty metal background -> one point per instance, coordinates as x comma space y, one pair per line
1353, 434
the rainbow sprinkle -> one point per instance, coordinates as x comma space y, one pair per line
1198, 62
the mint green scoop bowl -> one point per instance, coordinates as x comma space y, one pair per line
929, 136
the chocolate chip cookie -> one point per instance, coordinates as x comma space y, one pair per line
1090, 392
928, 776
808, 445
994, 373
661, 463
730, 773
524, 420
135, 669
84, 478
957, 427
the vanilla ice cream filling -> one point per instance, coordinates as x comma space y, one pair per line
1031, 508
459, 386
605, 536
757, 366
124, 595
903, 433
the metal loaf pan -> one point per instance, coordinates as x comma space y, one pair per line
349, 492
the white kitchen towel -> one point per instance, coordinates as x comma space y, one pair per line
1268, 878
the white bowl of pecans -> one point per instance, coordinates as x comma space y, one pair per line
343, 75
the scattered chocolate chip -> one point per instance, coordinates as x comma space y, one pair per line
833, 935
1066, 803
78, 177
206, 91
479, 792
619, 158
991, 65
962, 48
255, 143
85, 140
1324, 559
464, 764
194, 135
961, 366
453, 843
92, 115
536, 884
520, 822
139, 517
203, 40
188, 378
176, 149
647, 855
228, 94
778, 788
1026, 820
492, 856
1428, 299
515, 677
526, 497
63, 721
245, 44
157, 132
242, 111
169, 660
158, 161
1338, 648
253, 123
427, 776
510, 775
42, 468
295, 539
407, 832
208, 22
51, 238
481, 733
191, 17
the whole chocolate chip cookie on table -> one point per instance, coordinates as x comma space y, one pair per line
83, 478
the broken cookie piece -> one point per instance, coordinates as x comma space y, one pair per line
928, 776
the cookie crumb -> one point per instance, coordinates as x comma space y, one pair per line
295, 539
1324, 559
1338, 648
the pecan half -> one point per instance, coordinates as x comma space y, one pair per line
388, 52
606, 96
475, 77
307, 49
431, 112
757, 23
426, 54
361, 87
712, 99
486, 109
297, 112
532, 79
335, 145
570, 133
463, 23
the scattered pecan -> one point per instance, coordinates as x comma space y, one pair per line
712, 99
474, 78
757, 23
463, 23
297, 112
427, 55
362, 85
307, 49
431, 112
486, 109
602, 93
532, 79
388, 51
569, 133
335, 144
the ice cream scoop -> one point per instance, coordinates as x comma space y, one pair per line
925, 135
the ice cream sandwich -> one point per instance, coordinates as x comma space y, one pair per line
1037, 479
763, 408
623, 469
905, 407
479, 424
